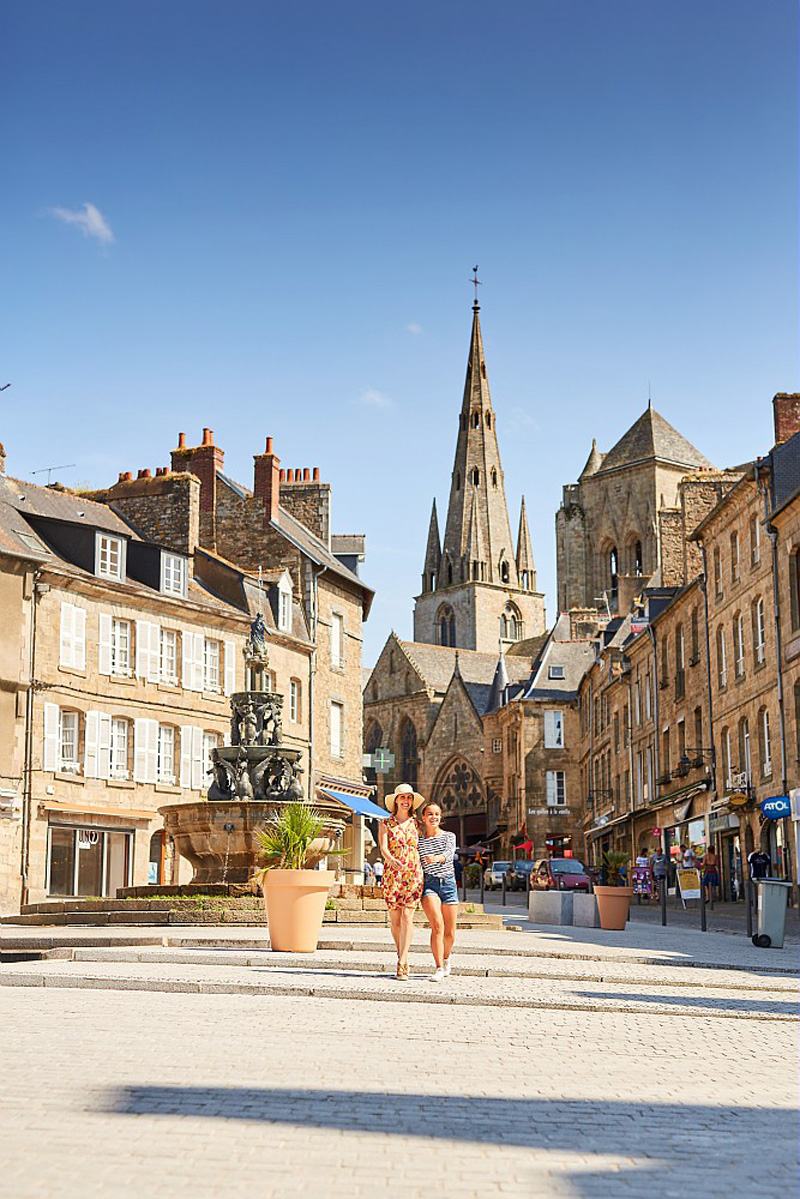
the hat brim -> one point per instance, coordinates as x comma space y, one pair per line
388, 800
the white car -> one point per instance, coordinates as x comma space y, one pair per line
493, 875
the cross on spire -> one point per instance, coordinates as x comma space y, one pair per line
476, 283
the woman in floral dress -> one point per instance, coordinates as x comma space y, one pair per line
402, 879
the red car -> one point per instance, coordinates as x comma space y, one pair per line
559, 874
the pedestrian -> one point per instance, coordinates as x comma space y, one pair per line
689, 858
642, 859
439, 894
368, 873
659, 866
710, 872
377, 870
402, 883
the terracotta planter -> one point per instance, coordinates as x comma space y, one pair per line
613, 905
295, 903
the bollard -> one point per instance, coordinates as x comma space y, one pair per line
662, 891
483, 882
528, 887
503, 893
703, 922
748, 895
464, 887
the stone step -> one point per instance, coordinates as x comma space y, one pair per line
252, 916
545, 995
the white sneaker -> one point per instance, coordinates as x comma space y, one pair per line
438, 975
447, 968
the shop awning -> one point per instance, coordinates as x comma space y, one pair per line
356, 803
599, 829
55, 807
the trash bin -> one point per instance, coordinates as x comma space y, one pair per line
773, 896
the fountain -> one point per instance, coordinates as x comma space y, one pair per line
254, 775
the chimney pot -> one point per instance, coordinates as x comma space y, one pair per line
269, 445
181, 441
121, 477
126, 478
208, 437
306, 474
282, 477
316, 474
145, 474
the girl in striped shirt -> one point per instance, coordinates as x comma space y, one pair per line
439, 893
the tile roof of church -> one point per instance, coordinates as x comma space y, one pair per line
650, 438
436, 664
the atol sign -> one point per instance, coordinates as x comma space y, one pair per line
776, 807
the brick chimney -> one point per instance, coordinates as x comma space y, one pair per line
2, 459
204, 461
786, 411
266, 481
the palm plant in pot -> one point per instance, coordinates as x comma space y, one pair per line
614, 898
294, 892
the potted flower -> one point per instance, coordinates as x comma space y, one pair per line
294, 893
614, 898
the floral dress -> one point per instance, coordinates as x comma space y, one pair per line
402, 885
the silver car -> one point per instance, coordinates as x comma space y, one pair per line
493, 875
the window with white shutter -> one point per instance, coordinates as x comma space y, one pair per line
230, 667
109, 557
145, 750
72, 652
198, 763
556, 789
165, 766
148, 649
103, 745
168, 656
174, 574
186, 755
211, 665
119, 749
104, 644
210, 743
337, 641
198, 667
337, 730
51, 737
68, 733
553, 729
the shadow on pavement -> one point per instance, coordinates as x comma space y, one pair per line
764, 1007
663, 1137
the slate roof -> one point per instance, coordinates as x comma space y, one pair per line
436, 664
575, 656
650, 438
63, 505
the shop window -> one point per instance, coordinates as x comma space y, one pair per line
88, 861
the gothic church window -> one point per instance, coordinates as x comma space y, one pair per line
503, 570
476, 419
446, 620
458, 480
613, 570
409, 757
488, 420
510, 626
638, 567
494, 477
476, 476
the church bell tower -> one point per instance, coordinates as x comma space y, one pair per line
476, 589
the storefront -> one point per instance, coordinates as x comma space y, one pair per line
88, 861
726, 827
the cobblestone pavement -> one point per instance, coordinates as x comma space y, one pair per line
127, 1094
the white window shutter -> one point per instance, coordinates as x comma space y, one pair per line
104, 665
139, 749
67, 634
154, 665
51, 747
91, 746
230, 667
187, 658
142, 648
199, 661
79, 638
551, 787
548, 729
198, 765
151, 752
103, 745
186, 755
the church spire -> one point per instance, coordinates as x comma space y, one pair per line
433, 554
499, 683
477, 494
525, 566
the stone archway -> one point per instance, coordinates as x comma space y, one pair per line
460, 792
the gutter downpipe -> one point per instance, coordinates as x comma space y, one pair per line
772, 533
312, 670
631, 782
656, 738
704, 589
27, 786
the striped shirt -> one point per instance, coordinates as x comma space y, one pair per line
445, 843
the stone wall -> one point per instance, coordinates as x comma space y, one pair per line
164, 509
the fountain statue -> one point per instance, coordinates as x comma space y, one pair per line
252, 777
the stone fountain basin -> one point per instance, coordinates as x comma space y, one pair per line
218, 855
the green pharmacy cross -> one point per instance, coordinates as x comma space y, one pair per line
383, 761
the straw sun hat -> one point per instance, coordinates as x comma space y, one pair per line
403, 789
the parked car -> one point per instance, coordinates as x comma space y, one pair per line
518, 879
493, 875
559, 874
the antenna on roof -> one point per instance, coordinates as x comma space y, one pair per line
649, 395
603, 599
50, 469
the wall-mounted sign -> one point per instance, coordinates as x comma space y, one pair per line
721, 824
738, 799
776, 807
656, 832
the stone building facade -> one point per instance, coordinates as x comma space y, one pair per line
122, 638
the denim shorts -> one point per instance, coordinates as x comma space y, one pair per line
445, 888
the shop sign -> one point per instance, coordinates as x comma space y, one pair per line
656, 832
721, 824
738, 799
87, 838
689, 883
776, 807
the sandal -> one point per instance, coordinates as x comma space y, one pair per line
402, 972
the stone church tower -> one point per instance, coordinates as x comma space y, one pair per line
476, 589
611, 526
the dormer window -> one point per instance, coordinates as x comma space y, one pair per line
285, 603
109, 557
556, 672
173, 574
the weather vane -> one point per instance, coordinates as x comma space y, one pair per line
475, 281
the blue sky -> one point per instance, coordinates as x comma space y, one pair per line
285, 204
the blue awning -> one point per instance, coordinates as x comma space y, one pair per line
356, 803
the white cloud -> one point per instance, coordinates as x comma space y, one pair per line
413, 327
89, 220
519, 420
374, 399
